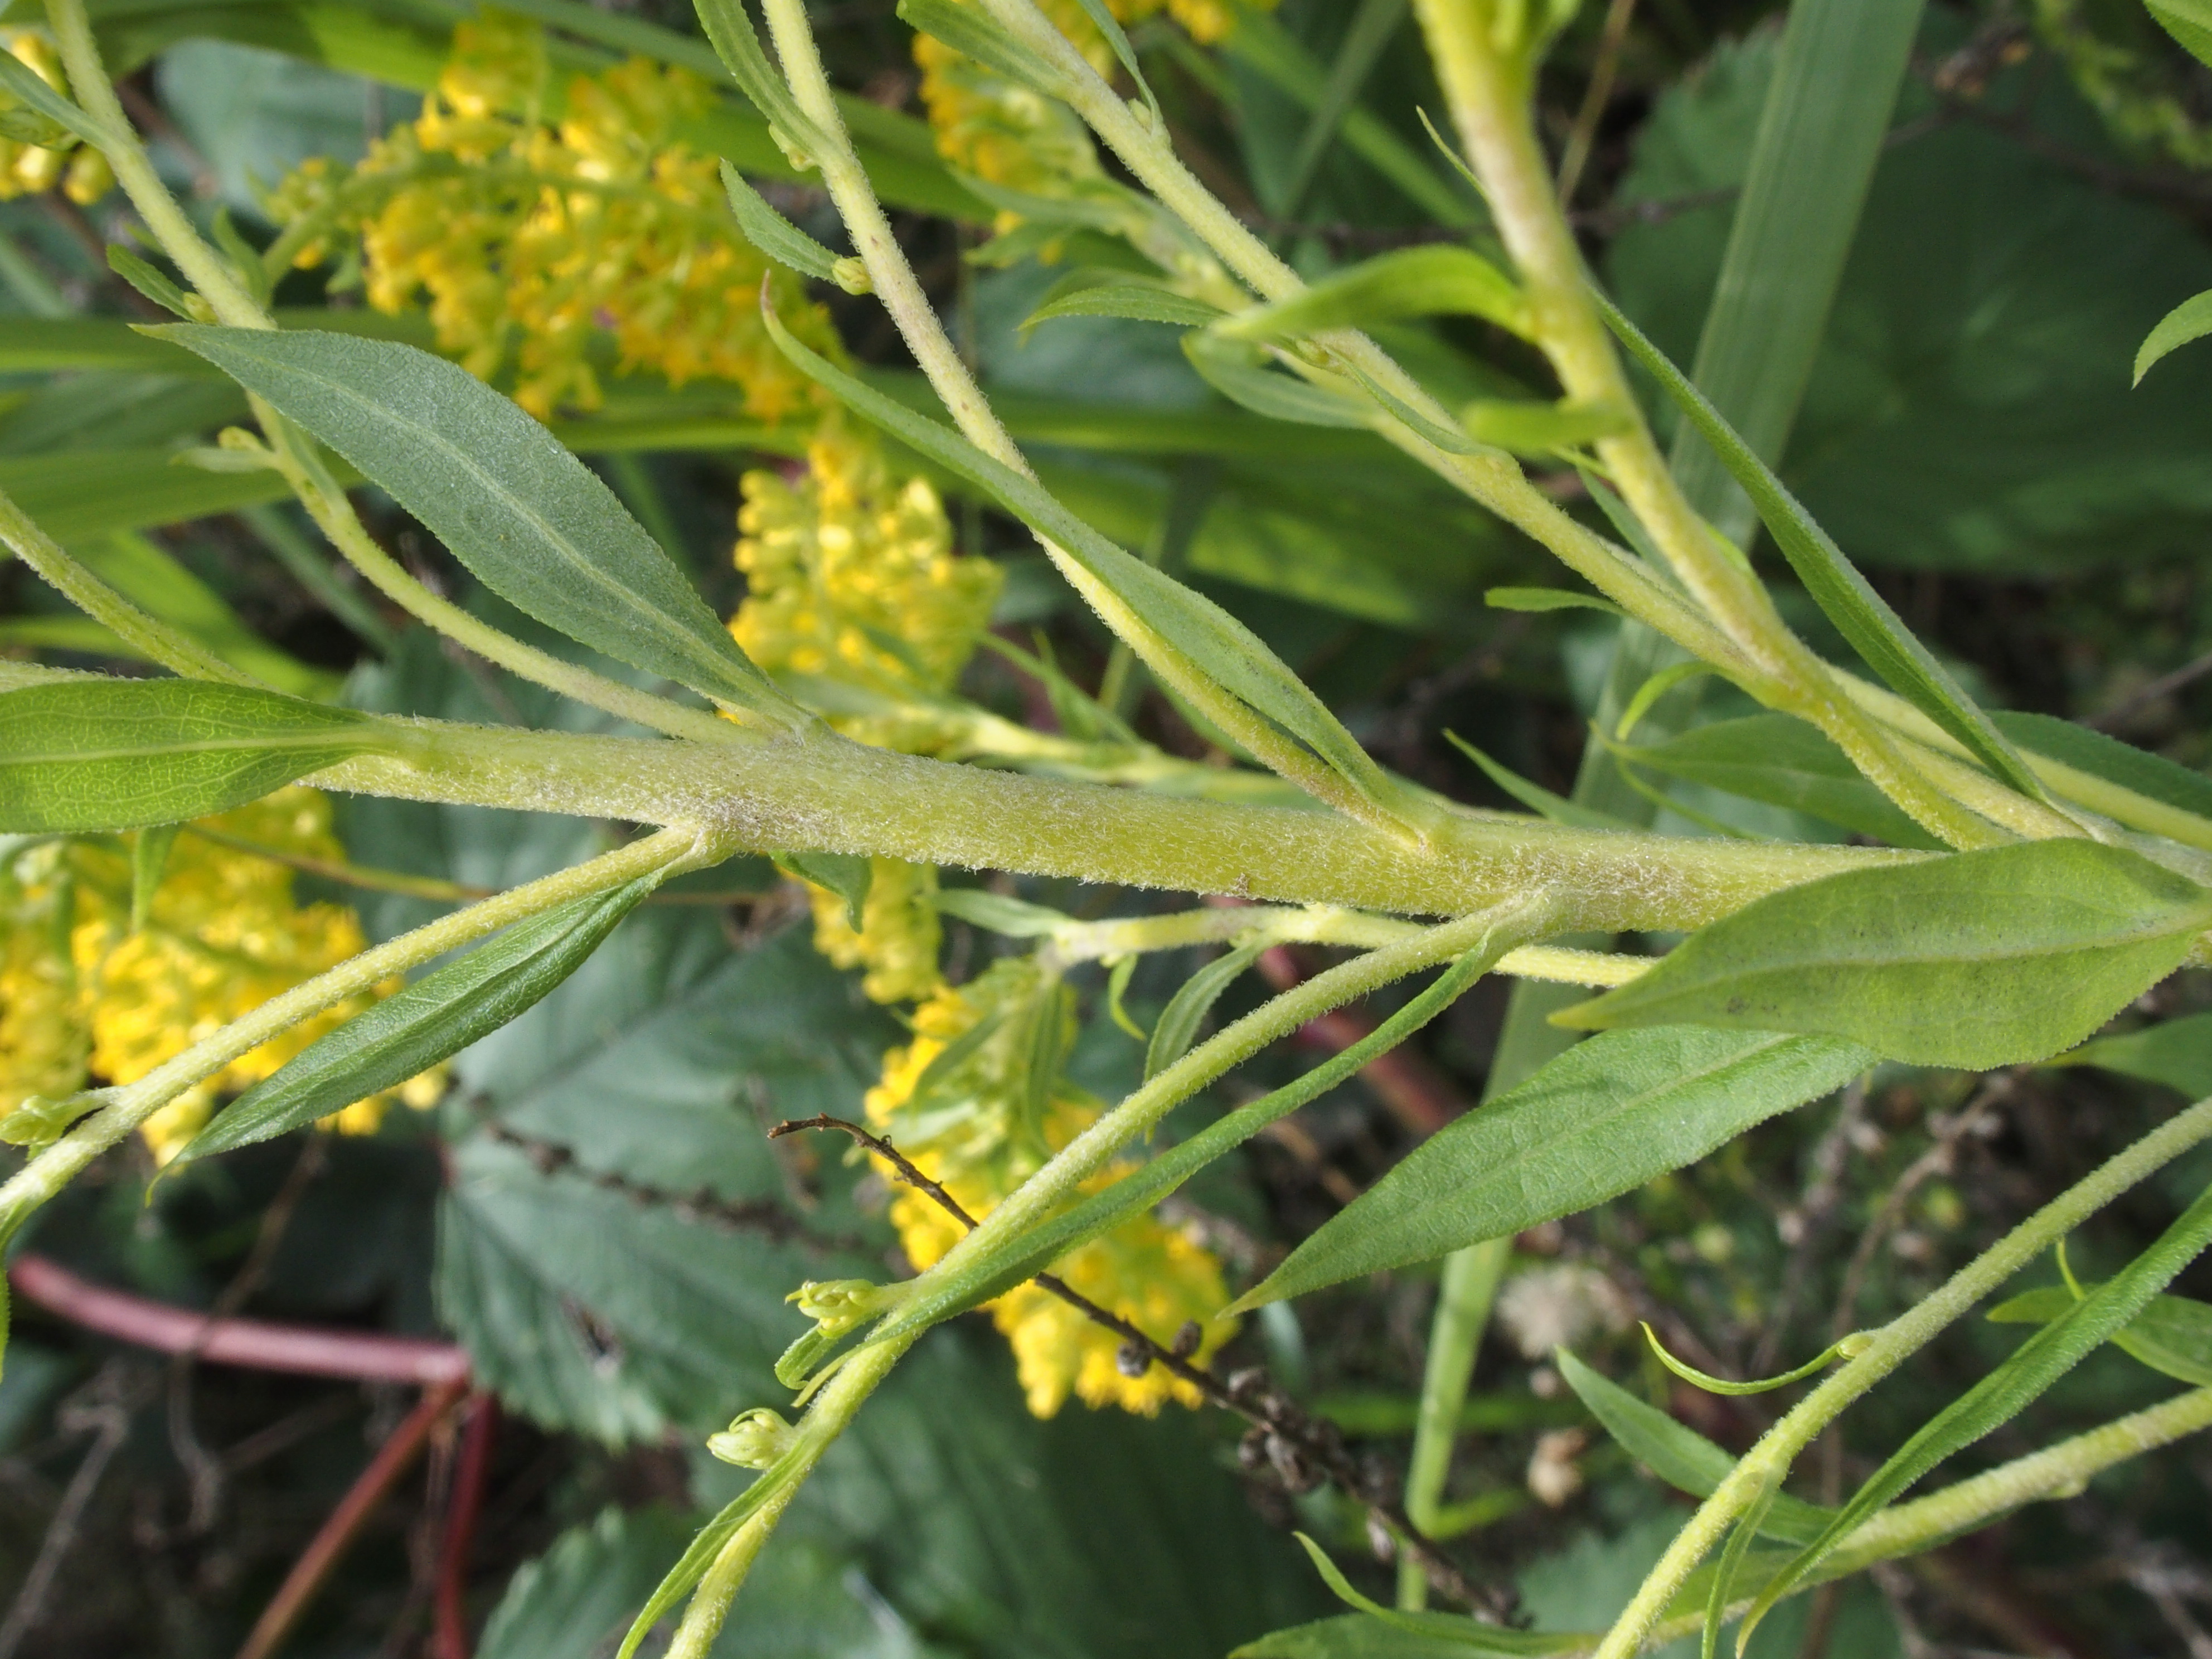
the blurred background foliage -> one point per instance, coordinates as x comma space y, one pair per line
592, 1210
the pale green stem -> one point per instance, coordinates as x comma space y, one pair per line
1889, 1347
820, 793
204, 268
1470, 1288
1488, 97
1090, 1152
918, 323
831, 1414
327, 504
157, 640
2059, 1471
131, 1104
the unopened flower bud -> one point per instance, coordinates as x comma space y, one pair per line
837, 1304
754, 1440
851, 274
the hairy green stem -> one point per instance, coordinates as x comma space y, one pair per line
132, 1104
1889, 1347
818, 791
1468, 1289
157, 640
919, 325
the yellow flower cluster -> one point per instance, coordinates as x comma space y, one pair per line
898, 935
986, 1127
532, 237
35, 156
850, 577
1004, 133
83, 995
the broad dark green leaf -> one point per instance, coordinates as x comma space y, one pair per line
2091, 751
129, 754
1783, 762
2010, 1388
1201, 638
2190, 321
1976, 959
571, 1601
774, 234
532, 523
1603, 1117
2175, 1052
1177, 1026
1415, 282
1676, 1453
1845, 597
436, 1017
2173, 1334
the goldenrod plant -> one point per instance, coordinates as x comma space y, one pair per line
963, 696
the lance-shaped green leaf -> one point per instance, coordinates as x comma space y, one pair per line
1538, 429
974, 34
2100, 757
1845, 597
691, 1566
1240, 374
2005, 1392
845, 874
2190, 321
431, 1020
730, 28
2172, 1336
1978, 959
1187, 636
2175, 1052
131, 754
2189, 21
1604, 1117
1677, 1454
1096, 293
1547, 598
1415, 282
1177, 1027
528, 519
1534, 795
783, 241
1454, 1632
1783, 762
27, 88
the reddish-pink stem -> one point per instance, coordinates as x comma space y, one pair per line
305, 1349
1416, 1094
449, 1637
330, 1544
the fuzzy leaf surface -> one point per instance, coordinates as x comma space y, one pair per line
1600, 1118
131, 754
528, 519
1977, 960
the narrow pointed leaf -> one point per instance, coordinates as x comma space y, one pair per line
846, 875
2173, 1334
1461, 1632
1177, 1026
30, 89
1547, 598
1415, 282
431, 1020
1977, 960
1229, 367
1119, 293
774, 234
131, 754
528, 519
2004, 1393
730, 29
2190, 321
1677, 1454
2175, 1052
1198, 636
1845, 597
2123, 764
1534, 796
2189, 21
1783, 762
1604, 1117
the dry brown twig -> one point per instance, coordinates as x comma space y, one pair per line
1302, 1450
